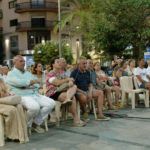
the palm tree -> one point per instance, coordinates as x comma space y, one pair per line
76, 18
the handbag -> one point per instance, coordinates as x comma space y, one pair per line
101, 86
63, 87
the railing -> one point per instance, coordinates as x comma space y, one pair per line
28, 25
31, 6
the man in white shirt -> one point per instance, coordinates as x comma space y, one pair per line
148, 69
23, 83
140, 73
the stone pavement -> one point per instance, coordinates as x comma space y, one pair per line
120, 133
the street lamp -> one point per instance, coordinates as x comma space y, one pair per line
59, 23
7, 49
77, 48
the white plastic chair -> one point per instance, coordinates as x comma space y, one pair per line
2, 139
61, 111
127, 88
144, 91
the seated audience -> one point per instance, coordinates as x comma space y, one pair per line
99, 85
131, 67
62, 89
141, 74
23, 83
85, 90
148, 70
13, 114
123, 67
109, 85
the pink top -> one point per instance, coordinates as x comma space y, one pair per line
51, 88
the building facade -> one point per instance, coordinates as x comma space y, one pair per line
26, 23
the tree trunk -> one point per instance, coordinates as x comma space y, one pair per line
136, 52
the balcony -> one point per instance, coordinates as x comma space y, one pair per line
30, 26
36, 6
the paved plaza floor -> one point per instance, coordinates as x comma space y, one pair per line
120, 133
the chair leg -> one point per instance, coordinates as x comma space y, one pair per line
65, 110
57, 112
147, 99
94, 109
46, 124
78, 109
133, 100
2, 140
123, 98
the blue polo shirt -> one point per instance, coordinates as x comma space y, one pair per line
93, 77
82, 79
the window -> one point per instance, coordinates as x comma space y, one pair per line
13, 22
14, 43
37, 3
38, 22
12, 4
35, 37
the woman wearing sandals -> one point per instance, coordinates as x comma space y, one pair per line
62, 89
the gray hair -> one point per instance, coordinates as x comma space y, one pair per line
80, 59
16, 58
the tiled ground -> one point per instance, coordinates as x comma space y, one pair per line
117, 134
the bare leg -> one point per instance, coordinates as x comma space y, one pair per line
99, 96
108, 96
71, 92
82, 98
73, 111
116, 89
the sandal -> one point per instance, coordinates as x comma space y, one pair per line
67, 102
79, 124
104, 118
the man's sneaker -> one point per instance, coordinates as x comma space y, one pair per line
38, 129
104, 118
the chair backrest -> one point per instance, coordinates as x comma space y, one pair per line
126, 83
135, 82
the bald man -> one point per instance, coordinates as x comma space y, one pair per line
23, 83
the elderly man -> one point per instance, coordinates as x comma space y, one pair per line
141, 74
23, 83
85, 90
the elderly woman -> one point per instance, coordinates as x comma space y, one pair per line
102, 77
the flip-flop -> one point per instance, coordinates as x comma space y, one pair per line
79, 124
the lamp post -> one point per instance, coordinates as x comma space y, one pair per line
77, 49
59, 23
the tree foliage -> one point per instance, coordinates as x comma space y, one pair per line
121, 23
45, 52
76, 20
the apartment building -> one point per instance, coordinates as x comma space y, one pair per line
26, 23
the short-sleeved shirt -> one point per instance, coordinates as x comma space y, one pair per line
148, 70
93, 77
51, 88
82, 79
141, 72
20, 82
